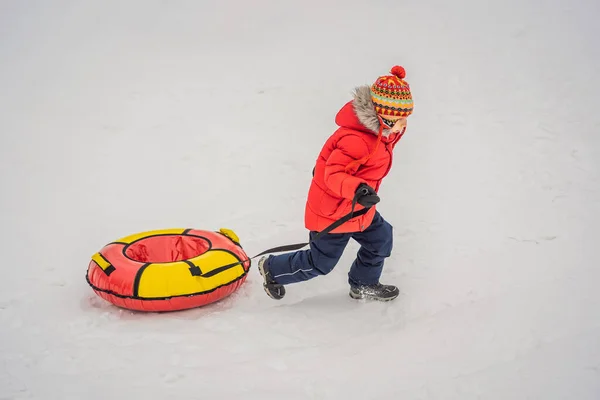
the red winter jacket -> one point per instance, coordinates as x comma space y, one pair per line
358, 152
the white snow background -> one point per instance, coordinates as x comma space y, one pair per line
118, 117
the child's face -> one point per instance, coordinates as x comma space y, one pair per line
399, 125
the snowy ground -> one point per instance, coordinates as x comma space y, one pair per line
119, 117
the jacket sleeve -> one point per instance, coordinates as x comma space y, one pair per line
340, 181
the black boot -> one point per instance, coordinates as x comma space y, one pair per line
374, 292
273, 289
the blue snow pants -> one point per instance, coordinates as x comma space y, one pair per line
324, 253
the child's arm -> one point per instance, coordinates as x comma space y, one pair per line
338, 178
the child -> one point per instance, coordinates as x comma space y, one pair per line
346, 178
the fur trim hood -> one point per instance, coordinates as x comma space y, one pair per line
365, 111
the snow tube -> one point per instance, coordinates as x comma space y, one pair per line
169, 270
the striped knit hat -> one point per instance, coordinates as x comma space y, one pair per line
391, 96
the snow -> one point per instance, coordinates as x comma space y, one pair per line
121, 117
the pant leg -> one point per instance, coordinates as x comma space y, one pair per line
376, 245
303, 265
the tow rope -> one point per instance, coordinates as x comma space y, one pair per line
298, 246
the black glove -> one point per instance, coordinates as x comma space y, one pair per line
366, 195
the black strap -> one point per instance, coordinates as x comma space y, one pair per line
297, 246
292, 247
342, 220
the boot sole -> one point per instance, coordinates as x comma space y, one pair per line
382, 299
268, 292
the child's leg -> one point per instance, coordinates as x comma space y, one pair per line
299, 266
376, 245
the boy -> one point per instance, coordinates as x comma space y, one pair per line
346, 178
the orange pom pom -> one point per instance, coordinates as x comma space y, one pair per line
399, 72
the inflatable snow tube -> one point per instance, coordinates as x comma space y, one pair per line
169, 270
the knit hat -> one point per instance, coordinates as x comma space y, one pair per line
391, 96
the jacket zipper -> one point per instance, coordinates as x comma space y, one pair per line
387, 148
390, 163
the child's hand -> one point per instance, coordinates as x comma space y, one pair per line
366, 195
